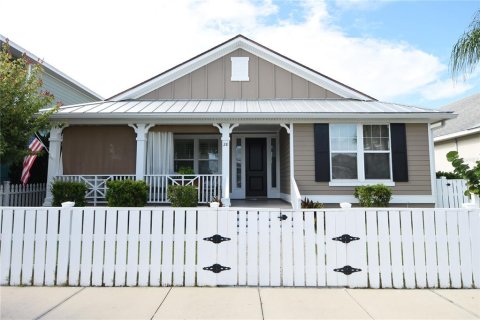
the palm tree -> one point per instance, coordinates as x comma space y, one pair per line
466, 53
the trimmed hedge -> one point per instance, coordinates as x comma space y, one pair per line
377, 195
449, 175
63, 191
127, 193
183, 196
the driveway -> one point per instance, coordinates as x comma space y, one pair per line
236, 303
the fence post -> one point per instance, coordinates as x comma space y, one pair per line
6, 193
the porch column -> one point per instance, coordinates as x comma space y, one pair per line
141, 129
53, 161
294, 194
226, 129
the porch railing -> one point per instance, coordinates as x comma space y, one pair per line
209, 186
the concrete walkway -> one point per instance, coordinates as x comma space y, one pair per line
235, 303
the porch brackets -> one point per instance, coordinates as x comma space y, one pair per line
141, 129
225, 129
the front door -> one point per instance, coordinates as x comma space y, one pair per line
256, 167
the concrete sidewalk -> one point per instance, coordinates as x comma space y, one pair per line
236, 303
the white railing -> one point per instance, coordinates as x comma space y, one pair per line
451, 193
96, 185
164, 246
209, 186
18, 195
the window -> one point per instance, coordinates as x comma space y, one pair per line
360, 152
239, 69
183, 155
238, 161
198, 154
208, 156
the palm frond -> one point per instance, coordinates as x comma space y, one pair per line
466, 52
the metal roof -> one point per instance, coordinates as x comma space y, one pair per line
243, 109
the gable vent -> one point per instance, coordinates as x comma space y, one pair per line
240, 69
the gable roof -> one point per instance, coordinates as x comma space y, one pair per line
17, 51
240, 42
467, 121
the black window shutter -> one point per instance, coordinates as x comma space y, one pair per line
322, 152
399, 152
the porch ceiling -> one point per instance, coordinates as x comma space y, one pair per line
246, 110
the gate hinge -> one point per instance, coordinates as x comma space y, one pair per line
348, 270
217, 239
346, 238
216, 268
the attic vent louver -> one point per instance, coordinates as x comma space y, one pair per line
240, 69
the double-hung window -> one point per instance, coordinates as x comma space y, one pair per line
360, 153
200, 155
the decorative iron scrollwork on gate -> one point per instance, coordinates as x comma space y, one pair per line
346, 238
216, 268
217, 239
348, 270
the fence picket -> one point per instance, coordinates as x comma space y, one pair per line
475, 241
190, 247
156, 258
207, 251
356, 250
453, 250
430, 248
372, 247
341, 248
167, 248
179, 247
132, 256
310, 253
419, 248
40, 241
6, 245
465, 248
264, 248
441, 233
144, 247
87, 247
227, 250
75, 247
65, 217
298, 250
321, 248
384, 249
242, 247
110, 245
252, 250
121, 248
98, 247
331, 248
275, 250
395, 248
287, 250
407, 248
52, 246
17, 246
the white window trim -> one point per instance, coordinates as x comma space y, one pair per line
196, 149
361, 181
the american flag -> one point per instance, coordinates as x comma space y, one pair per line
35, 146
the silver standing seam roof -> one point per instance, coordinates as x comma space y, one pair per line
260, 109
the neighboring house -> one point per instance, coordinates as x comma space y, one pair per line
251, 123
461, 134
65, 89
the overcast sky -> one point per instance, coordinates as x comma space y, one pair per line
395, 51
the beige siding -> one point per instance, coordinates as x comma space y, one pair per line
418, 164
284, 162
266, 81
467, 146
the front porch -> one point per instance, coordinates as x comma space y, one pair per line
223, 161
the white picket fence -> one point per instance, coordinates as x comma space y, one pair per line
94, 246
451, 193
18, 195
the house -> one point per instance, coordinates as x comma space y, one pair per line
66, 90
461, 134
249, 123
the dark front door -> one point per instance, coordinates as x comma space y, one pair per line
256, 167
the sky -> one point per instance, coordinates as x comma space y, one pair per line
396, 51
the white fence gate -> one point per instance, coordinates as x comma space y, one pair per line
18, 195
451, 193
401, 248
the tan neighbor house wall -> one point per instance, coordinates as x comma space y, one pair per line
418, 164
266, 81
99, 150
468, 148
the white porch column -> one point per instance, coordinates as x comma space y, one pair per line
53, 161
294, 194
141, 129
226, 129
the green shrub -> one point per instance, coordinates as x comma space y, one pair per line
127, 193
186, 171
63, 191
377, 195
448, 175
471, 175
183, 196
310, 204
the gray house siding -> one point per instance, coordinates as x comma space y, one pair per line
64, 93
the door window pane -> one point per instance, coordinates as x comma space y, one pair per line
273, 149
238, 160
377, 166
344, 166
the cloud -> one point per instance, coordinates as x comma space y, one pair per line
112, 45
442, 89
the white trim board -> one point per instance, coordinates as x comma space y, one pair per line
456, 134
240, 42
352, 199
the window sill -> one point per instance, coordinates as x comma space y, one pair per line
356, 183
